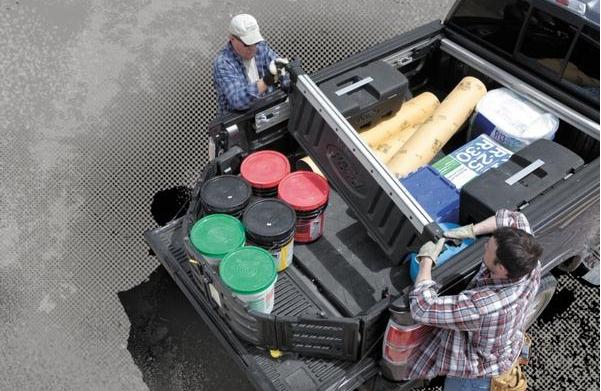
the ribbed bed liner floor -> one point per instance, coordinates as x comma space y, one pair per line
349, 265
291, 371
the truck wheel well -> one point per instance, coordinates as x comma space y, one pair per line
546, 290
570, 264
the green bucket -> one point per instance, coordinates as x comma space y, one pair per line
251, 275
216, 235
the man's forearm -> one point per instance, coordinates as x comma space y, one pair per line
425, 270
485, 226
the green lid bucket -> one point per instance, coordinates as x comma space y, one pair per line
216, 235
248, 270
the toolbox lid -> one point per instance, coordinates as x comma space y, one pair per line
304, 190
265, 169
248, 270
217, 234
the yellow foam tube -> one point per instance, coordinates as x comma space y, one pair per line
413, 112
387, 149
446, 120
309, 163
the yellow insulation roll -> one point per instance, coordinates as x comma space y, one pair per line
309, 164
388, 148
413, 112
446, 120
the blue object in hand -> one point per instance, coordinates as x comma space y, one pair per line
447, 253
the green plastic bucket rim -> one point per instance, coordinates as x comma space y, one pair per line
223, 217
272, 278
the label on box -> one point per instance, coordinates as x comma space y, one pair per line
474, 158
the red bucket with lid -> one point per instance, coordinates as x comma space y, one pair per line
264, 170
306, 192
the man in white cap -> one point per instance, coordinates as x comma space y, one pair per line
241, 72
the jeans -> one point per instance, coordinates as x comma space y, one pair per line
460, 384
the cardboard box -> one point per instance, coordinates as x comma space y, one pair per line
472, 159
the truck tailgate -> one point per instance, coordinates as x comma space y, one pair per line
291, 371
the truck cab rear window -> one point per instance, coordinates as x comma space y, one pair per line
547, 41
582, 71
495, 22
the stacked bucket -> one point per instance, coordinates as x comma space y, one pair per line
250, 223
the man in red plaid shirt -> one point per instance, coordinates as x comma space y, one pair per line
478, 333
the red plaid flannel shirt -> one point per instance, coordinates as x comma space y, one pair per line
479, 332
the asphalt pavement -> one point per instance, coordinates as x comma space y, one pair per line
104, 104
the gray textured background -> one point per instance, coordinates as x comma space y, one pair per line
102, 104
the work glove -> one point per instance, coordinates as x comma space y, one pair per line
431, 250
277, 67
460, 233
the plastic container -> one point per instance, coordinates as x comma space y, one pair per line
471, 160
438, 196
447, 253
270, 224
216, 235
264, 170
228, 194
512, 120
249, 272
307, 193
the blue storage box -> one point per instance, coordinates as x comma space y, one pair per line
438, 196
449, 251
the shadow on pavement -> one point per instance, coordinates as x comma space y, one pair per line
169, 342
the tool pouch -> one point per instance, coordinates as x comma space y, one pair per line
514, 379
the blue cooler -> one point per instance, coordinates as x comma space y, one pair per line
438, 196
447, 253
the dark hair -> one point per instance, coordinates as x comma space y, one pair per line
517, 251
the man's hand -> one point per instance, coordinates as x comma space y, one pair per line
278, 66
460, 233
430, 250
269, 79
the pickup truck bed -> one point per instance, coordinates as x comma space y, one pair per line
345, 278
291, 371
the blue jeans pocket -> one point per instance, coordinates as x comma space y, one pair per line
460, 384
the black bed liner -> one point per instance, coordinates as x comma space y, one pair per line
291, 371
352, 270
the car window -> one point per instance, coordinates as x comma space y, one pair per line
495, 22
547, 41
582, 70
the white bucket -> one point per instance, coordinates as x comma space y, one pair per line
260, 302
512, 120
249, 272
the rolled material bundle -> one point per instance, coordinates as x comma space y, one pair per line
429, 139
307, 164
388, 148
387, 136
413, 112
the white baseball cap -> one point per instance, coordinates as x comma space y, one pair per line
246, 28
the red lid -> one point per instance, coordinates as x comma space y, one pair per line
304, 190
265, 169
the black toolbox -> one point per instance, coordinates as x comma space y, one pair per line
365, 94
512, 185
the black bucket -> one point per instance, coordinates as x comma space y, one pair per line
228, 194
270, 224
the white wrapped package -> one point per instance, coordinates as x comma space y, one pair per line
512, 120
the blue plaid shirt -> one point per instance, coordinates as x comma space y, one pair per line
234, 91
